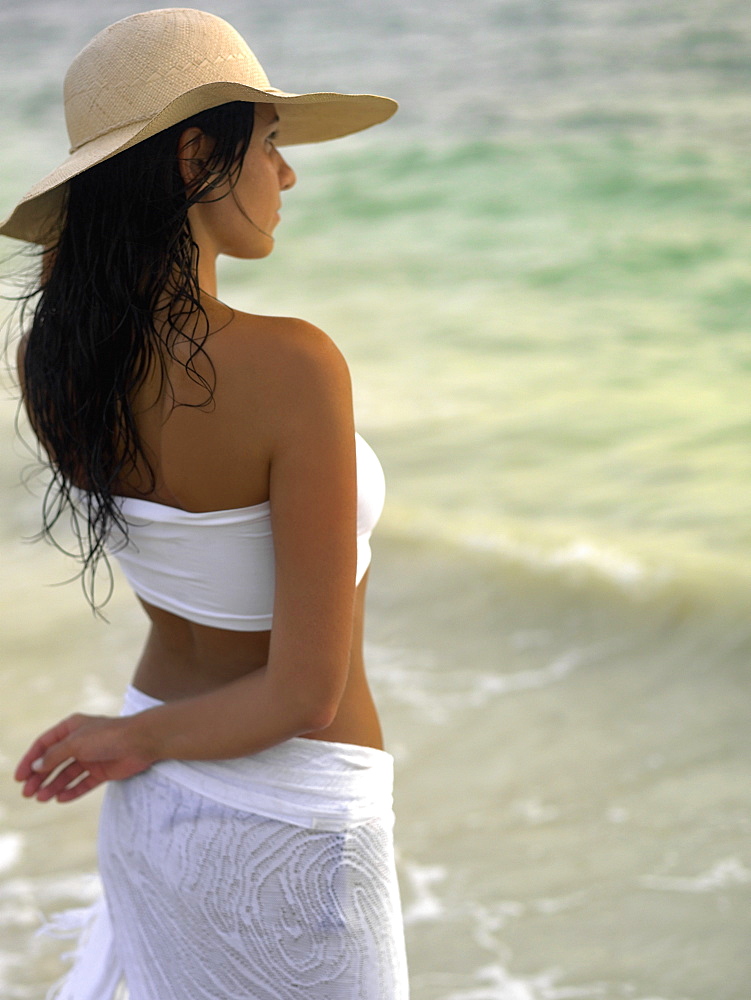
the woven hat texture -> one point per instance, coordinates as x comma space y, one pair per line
152, 70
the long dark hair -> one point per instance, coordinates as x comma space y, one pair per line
124, 257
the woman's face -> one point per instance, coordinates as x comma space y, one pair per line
242, 223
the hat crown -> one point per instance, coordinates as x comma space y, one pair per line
133, 69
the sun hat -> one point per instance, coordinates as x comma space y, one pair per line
152, 70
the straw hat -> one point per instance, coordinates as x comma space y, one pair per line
152, 70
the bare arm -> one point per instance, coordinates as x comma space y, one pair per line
313, 502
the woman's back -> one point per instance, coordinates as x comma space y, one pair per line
212, 455
219, 458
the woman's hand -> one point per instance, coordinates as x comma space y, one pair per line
78, 754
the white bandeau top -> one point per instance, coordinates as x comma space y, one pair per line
217, 567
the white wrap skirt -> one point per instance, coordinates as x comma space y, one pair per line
269, 877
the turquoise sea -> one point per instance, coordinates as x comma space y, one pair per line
540, 272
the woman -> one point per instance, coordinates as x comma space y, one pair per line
245, 839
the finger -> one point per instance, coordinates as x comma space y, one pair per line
84, 785
39, 748
33, 784
28, 764
59, 753
60, 781
55, 757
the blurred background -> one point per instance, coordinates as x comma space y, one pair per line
539, 272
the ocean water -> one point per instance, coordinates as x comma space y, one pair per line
539, 272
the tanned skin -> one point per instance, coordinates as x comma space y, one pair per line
280, 428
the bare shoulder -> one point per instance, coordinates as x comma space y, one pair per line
284, 362
284, 340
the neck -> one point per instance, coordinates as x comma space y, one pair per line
207, 272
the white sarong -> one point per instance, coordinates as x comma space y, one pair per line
269, 877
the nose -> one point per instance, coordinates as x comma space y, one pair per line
287, 176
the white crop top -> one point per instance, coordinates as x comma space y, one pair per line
217, 567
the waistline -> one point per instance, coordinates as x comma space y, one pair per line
307, 782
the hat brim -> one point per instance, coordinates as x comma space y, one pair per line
302, 118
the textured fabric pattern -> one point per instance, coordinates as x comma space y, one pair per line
268, 877
211, 903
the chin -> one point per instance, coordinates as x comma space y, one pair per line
266, 250
254, 253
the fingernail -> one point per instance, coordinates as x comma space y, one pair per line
38, 764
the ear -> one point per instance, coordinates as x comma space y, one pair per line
193, 150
